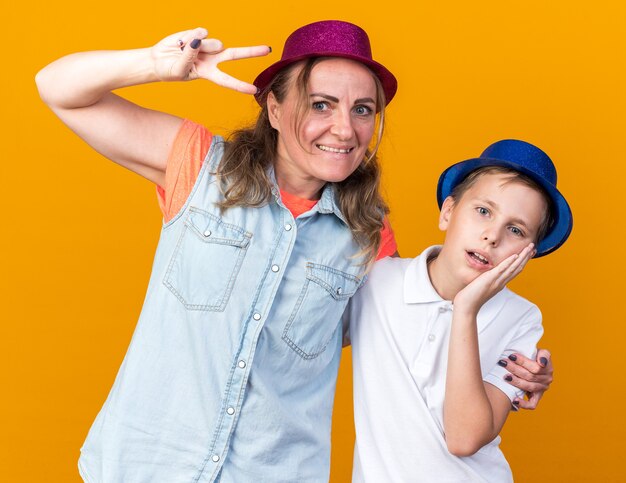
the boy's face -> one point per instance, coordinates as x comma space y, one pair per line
495, 218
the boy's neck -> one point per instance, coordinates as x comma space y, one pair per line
441, 278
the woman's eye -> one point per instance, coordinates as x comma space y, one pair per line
362, 110
319, 106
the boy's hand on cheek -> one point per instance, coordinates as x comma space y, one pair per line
485, 286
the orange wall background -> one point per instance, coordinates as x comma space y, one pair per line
78, 233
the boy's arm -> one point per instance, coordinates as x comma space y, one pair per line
475, 411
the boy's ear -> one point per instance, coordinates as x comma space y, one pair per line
273, 110
446, 211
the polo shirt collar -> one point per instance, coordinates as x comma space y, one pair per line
418, 288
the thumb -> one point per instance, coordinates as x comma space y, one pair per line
184, 65
544, 357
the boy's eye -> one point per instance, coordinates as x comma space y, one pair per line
516, 231
362, 110
482, 210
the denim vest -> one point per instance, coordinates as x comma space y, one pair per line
231, 371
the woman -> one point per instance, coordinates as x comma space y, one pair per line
231, 372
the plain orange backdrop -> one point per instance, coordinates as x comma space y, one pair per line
78, 233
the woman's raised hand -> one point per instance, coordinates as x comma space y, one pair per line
188, 55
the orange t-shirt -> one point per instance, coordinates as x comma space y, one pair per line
183, 166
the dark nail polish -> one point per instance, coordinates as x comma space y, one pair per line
513, 357
508, 378
502, 363
544, 361
195, 43
516, 402
269, 47
258, 91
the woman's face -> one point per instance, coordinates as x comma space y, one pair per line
336, 129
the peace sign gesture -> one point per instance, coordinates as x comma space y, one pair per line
189, 55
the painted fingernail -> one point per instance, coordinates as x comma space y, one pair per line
269, 47
516, 402
502, 363
180, 42
195, 43
508, 378
544, 361
258, 91
513, 357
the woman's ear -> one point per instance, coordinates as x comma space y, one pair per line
446, 211
273, 110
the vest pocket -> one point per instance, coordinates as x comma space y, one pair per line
317, 314
206, 261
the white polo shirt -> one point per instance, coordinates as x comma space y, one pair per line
400, 329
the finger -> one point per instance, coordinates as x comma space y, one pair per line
211, 46
531, 365
504, 271
235, 53
524, 384
230, 82
544, 358
184, 67
531, 403
186, 37
522, 373
519, 263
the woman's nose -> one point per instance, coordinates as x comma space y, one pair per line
342, 126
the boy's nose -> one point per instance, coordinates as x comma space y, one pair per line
491, 237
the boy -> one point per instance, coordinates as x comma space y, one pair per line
429, 402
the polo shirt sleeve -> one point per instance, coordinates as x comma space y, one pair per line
524, 341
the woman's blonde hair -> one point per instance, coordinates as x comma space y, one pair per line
250, 151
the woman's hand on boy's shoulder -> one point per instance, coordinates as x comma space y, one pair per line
532, 376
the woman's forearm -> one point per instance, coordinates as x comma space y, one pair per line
82, 79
